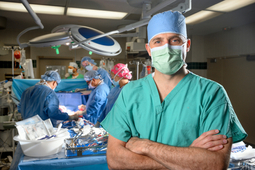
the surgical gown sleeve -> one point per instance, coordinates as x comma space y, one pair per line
95, 105
52, 108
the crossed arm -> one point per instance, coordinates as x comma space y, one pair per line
206, 152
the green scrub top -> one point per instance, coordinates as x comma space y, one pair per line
80, 76
196, 105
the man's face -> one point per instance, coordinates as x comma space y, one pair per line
88, 82
168, 38
74, 69
70, 67
85, 63
55, 84
117, 78
112, 75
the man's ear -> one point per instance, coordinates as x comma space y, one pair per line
188, 45
55, 83
148, 49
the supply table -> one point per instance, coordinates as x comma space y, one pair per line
60, 161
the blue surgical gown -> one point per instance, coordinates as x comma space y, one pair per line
112, 97
43, 101
96, 102
105, 76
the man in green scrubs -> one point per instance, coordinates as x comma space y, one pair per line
169, 120
73, 72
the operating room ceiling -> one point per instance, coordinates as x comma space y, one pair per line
20, 21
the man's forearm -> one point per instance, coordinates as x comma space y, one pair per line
118, 157
186, 158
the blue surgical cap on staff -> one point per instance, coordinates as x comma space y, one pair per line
166, 22
93, 74
89, 60
51, 76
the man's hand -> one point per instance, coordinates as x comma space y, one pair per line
210, 141
137, 145
74, 117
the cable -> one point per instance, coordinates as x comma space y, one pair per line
23, 32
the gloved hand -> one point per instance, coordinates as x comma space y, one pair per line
80, 113
67, 75
97, 125
62, 108
74, 117
82, 107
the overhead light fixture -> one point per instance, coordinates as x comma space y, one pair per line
230, 5
201, 16
41, 9
91, 13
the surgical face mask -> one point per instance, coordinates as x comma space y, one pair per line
70, 71
91, 86
167, 59
115, 83
89, 67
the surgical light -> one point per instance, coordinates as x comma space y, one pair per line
230, 5
91, 13
42, 9
201, 16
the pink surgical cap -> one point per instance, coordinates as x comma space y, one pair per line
122, 71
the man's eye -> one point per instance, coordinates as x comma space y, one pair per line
176, 40
157, 42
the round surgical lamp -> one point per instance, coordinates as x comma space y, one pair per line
106, 45
52, 39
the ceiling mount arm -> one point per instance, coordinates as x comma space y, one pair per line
32, 13
37, 21
158, 7
183, 7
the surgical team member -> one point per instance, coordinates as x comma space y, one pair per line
120, 75
41, 100
168, 121
97, 98
90, 64
72, 71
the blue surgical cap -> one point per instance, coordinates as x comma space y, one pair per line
92, 74
167, 22
51, 76
89, 60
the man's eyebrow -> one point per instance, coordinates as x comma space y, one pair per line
155, 39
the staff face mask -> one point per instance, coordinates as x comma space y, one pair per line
89, 67
167, 59
91, 86
70, 71
115, 83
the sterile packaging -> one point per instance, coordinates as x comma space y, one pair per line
35, 131
42, 148
240, 152
34, 128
